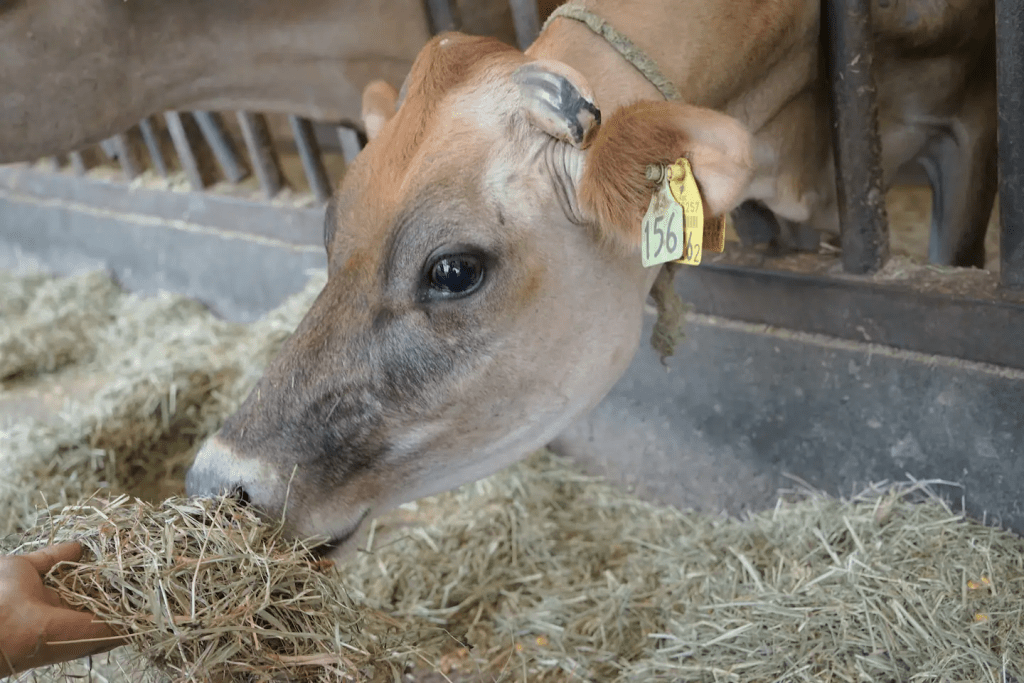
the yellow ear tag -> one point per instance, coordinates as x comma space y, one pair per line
673, 227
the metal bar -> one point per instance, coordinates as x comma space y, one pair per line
216, 135
78, 163
309, 153
351, 142
152, 140
176, 127
1010, 80
260, 144
444, 16
126, 156
526, 20
977, 322
855, 141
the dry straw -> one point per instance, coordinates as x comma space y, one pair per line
537, 573
62, 329
206, 591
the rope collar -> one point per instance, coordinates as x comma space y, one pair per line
623, 45
668, 329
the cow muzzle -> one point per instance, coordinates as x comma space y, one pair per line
219, 470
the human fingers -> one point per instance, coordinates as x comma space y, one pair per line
65, 626
44, 559
69, 635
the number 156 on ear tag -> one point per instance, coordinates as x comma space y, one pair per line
669, 233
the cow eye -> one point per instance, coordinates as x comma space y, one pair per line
455, 275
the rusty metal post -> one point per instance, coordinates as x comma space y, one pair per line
846, 28
78, 163
1010, 80
526, 20
309, 153
107, 147
264, 158
444, 16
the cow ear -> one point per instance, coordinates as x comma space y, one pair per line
557, 99
379, 104
614, 191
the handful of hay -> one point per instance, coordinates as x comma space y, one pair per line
205, 590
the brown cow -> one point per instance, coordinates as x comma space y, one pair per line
485, 287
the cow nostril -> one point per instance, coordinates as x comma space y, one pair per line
241, 495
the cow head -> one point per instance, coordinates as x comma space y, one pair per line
484, 289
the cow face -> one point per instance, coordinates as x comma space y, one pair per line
484, 287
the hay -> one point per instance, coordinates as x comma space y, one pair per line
537, 573
668, 328
66, 314
17, 291
542, 574
208, 592
569, 578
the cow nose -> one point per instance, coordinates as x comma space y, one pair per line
201, 484
219, 470
205, 478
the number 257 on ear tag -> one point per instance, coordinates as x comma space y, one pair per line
669, 233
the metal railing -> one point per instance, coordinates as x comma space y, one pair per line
189, 130
865, 235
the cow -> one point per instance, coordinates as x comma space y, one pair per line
72, 74
485, 286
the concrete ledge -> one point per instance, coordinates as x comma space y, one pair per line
744, 409
241, 257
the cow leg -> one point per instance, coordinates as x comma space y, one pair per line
960, 161
756, 225
799, 237
790, 202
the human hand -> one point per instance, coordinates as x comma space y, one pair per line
36, 629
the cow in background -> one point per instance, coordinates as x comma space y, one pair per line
74, 73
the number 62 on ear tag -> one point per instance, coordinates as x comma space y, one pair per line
673, 227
